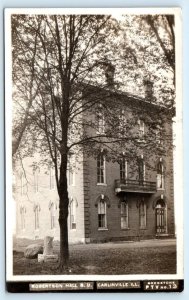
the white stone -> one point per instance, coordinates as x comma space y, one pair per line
48, 245
40, 258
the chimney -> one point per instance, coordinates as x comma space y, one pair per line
149, 90
109, 74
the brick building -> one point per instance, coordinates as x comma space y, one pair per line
109, 199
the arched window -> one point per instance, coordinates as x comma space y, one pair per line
142, 214
101, 168
23, 219
36, 213
124, 215
52, 215
161, 222
160, 175
102, 216
73, 214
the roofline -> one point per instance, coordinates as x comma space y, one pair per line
122, 93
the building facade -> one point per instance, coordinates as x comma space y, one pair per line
127, 199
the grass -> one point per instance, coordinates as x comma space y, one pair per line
107, 259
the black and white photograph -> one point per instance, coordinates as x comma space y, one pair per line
93, 112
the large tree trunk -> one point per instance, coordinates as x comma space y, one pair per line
63, 214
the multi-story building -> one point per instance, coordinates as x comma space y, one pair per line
124, 199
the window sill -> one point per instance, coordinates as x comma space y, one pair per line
160, 189
103, 184
143, 228
127, 228
102, 229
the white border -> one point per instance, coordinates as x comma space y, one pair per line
178, 161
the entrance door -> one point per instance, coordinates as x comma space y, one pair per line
160, 217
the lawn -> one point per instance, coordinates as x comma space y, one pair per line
145, 257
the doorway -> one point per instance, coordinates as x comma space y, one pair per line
161, 226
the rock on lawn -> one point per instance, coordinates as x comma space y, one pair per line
33, 250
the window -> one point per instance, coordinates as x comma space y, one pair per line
36, 212
73, 205
101, 168
102, 220
123, 169
124, 215
160, 176
142, 214
141, 129
52, 215
52, 178
141, 171
22, 214
100, 120
36, 179
24, 187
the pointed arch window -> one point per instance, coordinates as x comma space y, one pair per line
160, 175
102, 215
36, 215
73, 214
23, 217
161, 217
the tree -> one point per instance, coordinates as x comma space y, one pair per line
58, 65
23, 78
